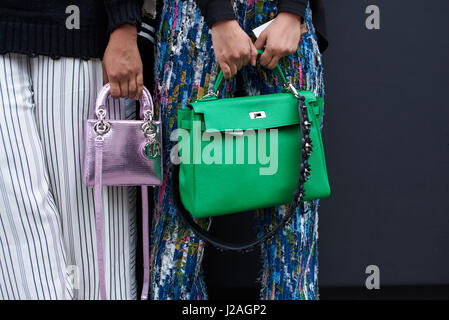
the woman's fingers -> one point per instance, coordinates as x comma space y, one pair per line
105, 74
114, 89
279, 39
124, 88
261, 40
226, 70
229, 69
244, 60
269, 59
253, 53
266, 57
132, 87
232, 46
274, 61
233, 68
139, 81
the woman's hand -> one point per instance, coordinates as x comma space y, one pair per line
122, 65
280, 38
232, 46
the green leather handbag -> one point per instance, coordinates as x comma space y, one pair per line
245, 153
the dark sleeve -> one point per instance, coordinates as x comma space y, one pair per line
293, 6
319, 22
123, 12
318, 16
216, 10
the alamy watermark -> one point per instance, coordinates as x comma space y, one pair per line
372, 22
373, 280
258, 147
73, 20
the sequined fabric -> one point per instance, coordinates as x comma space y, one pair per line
186, 70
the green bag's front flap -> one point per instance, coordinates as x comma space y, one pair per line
245, 113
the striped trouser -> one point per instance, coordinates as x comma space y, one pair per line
47, 226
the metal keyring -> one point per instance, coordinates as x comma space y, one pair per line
101, 113
101, 127
149, 128
148, 115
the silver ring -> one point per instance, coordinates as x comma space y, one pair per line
148, 115
101, 127
101, 113
149, 128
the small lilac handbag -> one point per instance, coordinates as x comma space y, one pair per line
122, 153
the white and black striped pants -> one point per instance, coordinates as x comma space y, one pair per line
47, 226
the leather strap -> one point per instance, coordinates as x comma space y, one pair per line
298, 197
145, 244
208, 237
146, 103
98, 199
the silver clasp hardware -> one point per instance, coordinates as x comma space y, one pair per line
292, 89
209, 95
152, 146
152, 150
257, 115
148, 116
149, 129
101, 113
101, 127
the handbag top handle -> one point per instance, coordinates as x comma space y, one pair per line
146, 103
277, 70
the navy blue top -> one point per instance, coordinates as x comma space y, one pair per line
37, 27
218, 10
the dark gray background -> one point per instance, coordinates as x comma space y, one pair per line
387, 145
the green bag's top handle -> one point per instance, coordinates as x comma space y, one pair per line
278, 71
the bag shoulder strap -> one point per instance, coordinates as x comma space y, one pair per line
298, 195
